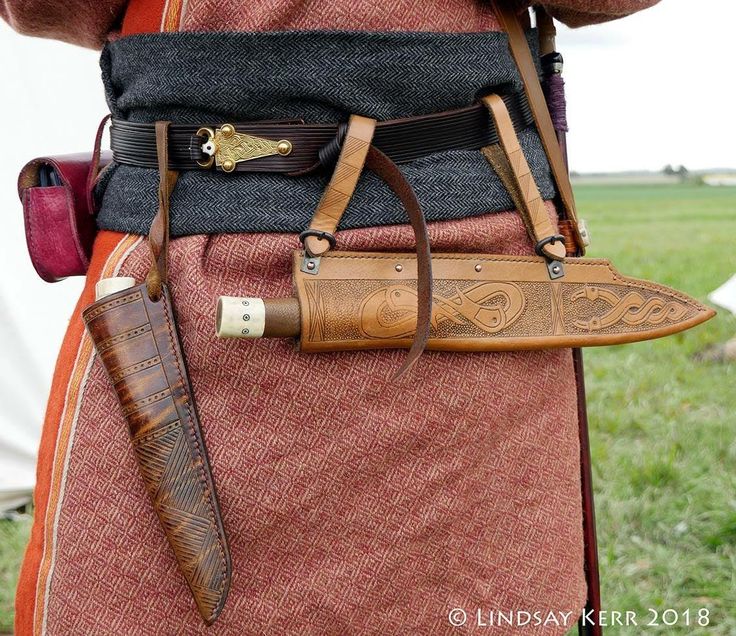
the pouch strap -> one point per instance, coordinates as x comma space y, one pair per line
535, 95
158, 236
508, 160
96, 165
340, 189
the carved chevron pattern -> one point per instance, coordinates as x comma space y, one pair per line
341, 186
138, 345
345, 177
531, 205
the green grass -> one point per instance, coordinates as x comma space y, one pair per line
662, 426
13, 538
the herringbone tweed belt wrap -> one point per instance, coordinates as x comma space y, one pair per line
317, 76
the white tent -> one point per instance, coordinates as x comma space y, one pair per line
34, 314
725, 295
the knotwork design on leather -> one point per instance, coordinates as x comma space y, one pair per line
510, 164
483, 302
390, 312
632, 308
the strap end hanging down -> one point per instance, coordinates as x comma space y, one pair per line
357, 153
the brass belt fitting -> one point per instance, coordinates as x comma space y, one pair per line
226, 147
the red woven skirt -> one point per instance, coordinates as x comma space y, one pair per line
353, 505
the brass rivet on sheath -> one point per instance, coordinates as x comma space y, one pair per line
399, 267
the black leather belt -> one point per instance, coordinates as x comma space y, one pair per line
294, 147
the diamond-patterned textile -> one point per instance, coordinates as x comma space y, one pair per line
353, 505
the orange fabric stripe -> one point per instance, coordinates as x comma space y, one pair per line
172, 15
70, 366
143, 16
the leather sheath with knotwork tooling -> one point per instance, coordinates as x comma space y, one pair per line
480, 302
138, 344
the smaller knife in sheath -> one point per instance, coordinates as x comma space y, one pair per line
137, 341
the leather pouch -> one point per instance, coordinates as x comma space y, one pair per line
482, 302
59, 222
137, 341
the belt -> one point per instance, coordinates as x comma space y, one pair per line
293, 147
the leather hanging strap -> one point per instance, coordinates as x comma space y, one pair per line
523, 57
356, 154
158, 236
319, 238
390, 173
512, 168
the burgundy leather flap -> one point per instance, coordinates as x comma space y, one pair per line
60, 227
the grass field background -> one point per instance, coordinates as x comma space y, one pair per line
663, 427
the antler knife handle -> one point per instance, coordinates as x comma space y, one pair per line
137, 341
258, 317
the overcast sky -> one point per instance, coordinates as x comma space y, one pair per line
654, 88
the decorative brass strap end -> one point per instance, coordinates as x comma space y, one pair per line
226, 147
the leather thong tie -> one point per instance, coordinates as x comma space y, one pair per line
158, 237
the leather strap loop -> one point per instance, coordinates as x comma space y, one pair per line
514, 171
158, 236
340, 189
535, 95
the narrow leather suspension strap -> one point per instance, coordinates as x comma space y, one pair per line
512, 168
320, 236
158, 236
357, 153
390, 173
523, 57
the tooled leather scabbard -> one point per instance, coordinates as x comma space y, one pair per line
137, 341
482, 302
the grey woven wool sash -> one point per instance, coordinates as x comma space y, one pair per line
317, 76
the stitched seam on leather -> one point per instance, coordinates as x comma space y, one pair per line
147, 401
72, 219
96, 312
31, 236
200, 470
